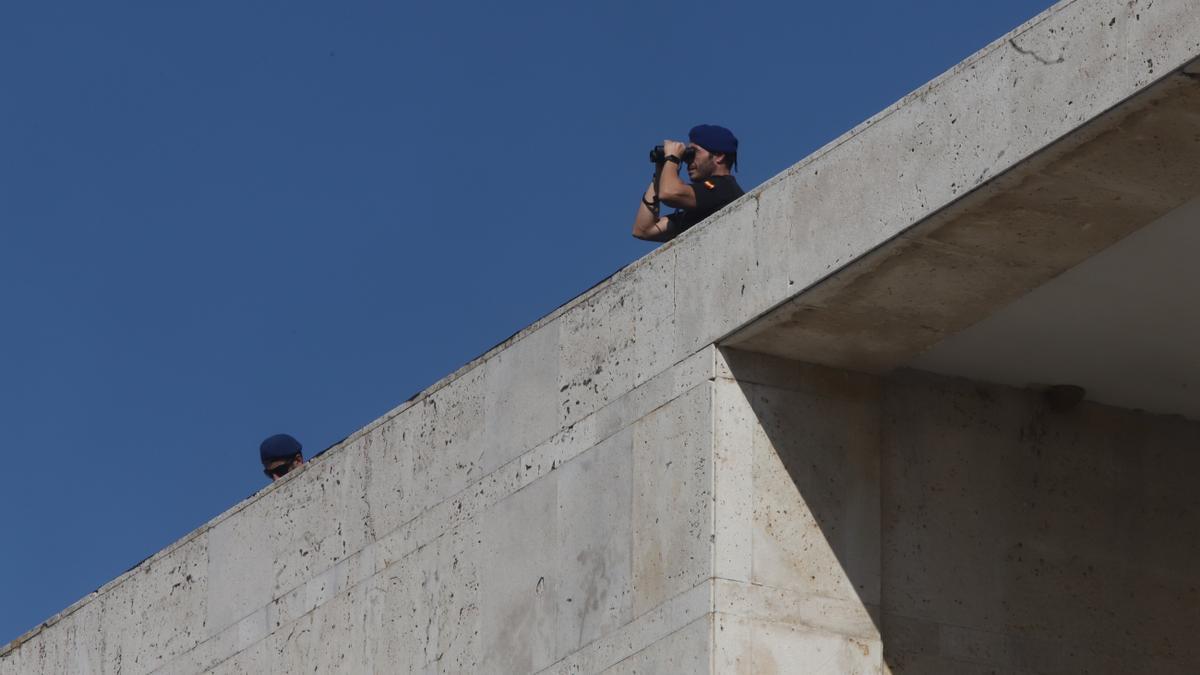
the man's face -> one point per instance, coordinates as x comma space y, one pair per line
278, 468
703, 165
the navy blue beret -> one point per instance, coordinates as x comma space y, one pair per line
279, 446
714, 138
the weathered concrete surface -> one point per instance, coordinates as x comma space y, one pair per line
1122, 325
558, 552
606, 491
1118, 173
1025, 540
940, 525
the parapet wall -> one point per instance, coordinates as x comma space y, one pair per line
610, 491
735, 513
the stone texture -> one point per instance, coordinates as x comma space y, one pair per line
803, 610
1017, 165
241, 570
811, 479
595, 511
636, 636
1010, 528
604, 491
519, 588
684, 651
933, 525
672, 499
751, 646
734, 427
620, 336
802, 458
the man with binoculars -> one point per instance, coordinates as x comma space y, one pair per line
710, 156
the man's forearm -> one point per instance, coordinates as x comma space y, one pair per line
650, 196
646, 219
670, 185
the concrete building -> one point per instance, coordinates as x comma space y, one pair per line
812, 435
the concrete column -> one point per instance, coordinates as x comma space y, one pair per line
797, 519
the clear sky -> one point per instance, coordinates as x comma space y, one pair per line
224, 220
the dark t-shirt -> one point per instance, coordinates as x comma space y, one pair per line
712, 194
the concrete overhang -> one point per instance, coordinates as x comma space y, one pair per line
1076, 265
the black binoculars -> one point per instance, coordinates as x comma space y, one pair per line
659, 156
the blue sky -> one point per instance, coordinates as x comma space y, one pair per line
224, 220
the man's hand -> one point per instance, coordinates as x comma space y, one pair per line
674, 148
672, 191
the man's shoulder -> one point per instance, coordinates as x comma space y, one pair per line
712, 194
722, 185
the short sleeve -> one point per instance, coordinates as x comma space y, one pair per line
708, 199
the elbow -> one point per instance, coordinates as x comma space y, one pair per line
671, 197
677, 198
653, 233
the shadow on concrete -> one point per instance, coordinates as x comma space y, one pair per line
816, 473
983, 531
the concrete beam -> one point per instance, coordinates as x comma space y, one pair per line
1103, 181
1020, 162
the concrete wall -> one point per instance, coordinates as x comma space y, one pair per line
736, 513
798, 519
608, 491
456, 536
1019, 539
980, 530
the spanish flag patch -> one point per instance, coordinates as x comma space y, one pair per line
709, 184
